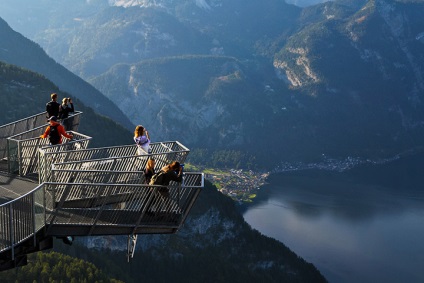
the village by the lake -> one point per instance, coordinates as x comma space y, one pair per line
241, 185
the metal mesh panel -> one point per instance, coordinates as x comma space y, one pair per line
98, 176
26, 154
38, 121
5, 227
20, 218
94, 189
39, 209
121, 158
13, 156
23, 218
136, 206
19, 126
72, 122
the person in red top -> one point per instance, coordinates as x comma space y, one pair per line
55, 131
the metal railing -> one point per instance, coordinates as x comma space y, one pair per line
85, 192
119, 158
97, 176
26, 124
17, 127
22, 149
21, 219
99, 209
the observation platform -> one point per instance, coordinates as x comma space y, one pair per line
71, 190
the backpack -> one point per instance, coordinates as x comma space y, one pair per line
54, 135
157, 179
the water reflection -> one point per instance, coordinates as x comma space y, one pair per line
364, 225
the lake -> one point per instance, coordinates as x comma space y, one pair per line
361, 225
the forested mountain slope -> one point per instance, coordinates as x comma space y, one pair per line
342, 78
24, 93
17, 50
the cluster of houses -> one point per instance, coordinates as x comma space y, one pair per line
238, 184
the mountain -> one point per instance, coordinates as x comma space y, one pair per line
215, 244
17, 50
362, 61
341, 78
305, 3
23, 94
156, 32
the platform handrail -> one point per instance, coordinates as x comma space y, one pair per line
26, 124
92, 209
121, 158
84, 192
22, 218
125, 207
23, 153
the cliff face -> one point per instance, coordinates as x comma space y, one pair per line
381, 39
160, 94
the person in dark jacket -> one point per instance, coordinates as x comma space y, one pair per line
52, 107
173, 172
170, 172
64, 109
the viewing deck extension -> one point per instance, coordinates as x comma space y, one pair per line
72, 190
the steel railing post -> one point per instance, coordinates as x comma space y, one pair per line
12, 234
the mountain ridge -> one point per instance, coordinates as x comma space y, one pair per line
17, 50
341, 78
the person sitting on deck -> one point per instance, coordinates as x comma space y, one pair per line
55, 131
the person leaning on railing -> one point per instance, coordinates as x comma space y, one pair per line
55, 131
168, 173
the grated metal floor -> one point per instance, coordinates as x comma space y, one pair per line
13, 186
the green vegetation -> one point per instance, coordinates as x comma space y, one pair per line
24, 93
56, 267
222, 159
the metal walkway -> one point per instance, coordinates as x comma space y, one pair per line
71, 190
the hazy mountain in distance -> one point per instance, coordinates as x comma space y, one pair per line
305, 3
18, 50
339, 78
23, 94
151, 29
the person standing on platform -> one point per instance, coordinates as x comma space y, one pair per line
52, 107
142, 140
55, 131
64, 109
